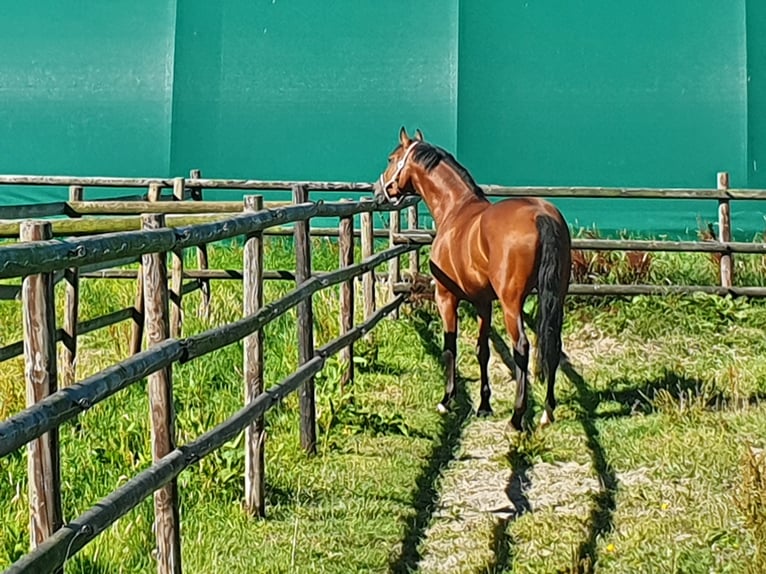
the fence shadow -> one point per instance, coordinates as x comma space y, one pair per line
638, 397
502, 549
602, 514
516, 489
426, 495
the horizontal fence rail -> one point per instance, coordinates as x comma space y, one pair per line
167, 183
624, 290
491, 190
53, 255
98, 226
219, 274
623, 192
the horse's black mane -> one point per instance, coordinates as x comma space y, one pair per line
429, 156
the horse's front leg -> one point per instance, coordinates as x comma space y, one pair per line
446, 302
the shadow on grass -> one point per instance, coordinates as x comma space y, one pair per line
445, 444
82, 564
634, 399
502, 541
601, 519
501, 545
638, 398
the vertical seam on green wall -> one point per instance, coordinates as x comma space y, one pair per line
746, 40
458, 27
172, 112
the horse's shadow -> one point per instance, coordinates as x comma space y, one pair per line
601, 520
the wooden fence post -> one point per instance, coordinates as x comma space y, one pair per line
255, 498
724, 230
137, 330
305, 325
368, 279
346, 248
415, 254
394, 274
39, 320
71, 312
167, 525
177, 277
202, 259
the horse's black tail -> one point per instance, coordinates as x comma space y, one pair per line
551, 287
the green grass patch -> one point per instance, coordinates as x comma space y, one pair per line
654, 463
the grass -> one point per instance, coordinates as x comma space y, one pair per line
654, 463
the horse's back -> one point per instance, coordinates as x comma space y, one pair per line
510, 228
489, 247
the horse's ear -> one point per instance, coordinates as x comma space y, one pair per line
404, 139
418, 135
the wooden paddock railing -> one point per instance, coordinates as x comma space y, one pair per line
39, 260
148, 224
125, 209
166, 196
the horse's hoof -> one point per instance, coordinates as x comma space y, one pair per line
546, 419
442, 409
484, 412
516, 422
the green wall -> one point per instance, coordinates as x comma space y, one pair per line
309, 90
85, 91
596, 92
588, 92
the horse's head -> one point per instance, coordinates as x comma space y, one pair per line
395, 183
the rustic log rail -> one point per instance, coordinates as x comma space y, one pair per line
631, 290
54, 255
47, 258
95, 226
491, 190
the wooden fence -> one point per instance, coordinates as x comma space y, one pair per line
125, 212
39, 260
146, 225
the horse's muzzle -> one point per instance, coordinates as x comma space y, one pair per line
377, 188
381, 191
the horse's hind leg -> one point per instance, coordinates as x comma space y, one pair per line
482, 351
514, 325
446, 302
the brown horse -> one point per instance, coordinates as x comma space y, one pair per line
485, 251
